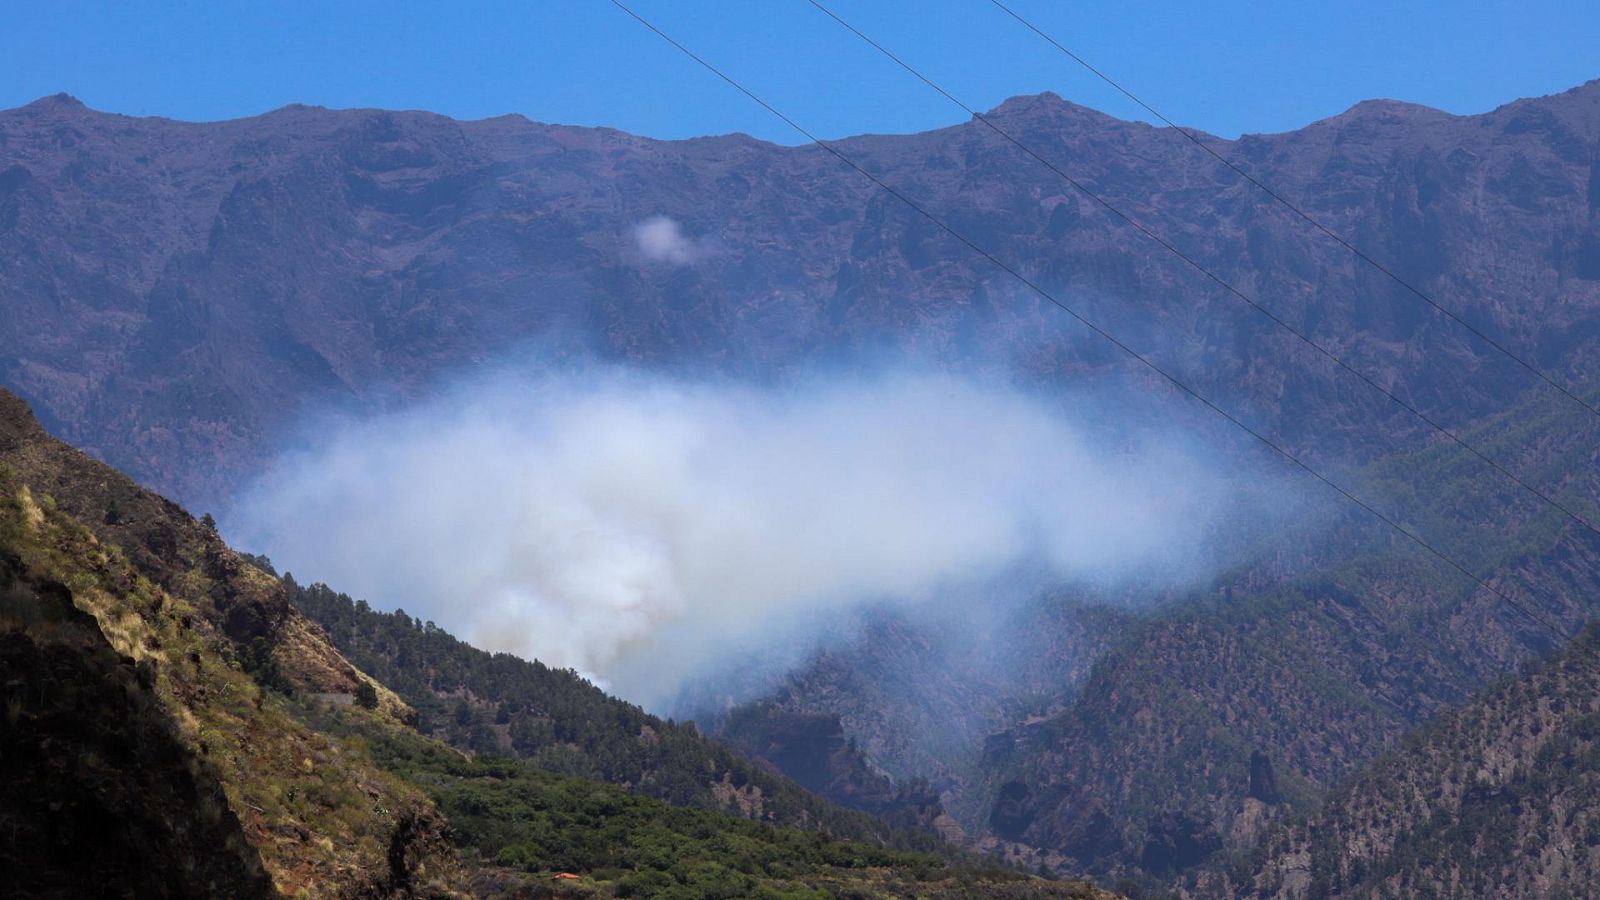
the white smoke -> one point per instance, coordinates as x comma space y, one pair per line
634, 527
661, 239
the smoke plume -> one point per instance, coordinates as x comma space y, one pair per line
636, 526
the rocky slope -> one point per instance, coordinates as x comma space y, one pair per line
1495, 799
136, 649
67, 789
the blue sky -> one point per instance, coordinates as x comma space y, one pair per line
1227, 67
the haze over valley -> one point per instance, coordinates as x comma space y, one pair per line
1050, 504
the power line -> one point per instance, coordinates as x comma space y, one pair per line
1559, 634
1361, 255
1223, 283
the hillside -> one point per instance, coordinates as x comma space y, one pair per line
501, 705
62, 795
201, 721
1244, 707
136, 651
916, 697
1498, 798
528, 820
1193, 726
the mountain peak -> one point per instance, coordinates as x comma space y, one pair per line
1384, 112
1386, 107
1043, 98
1049, 104
62, 102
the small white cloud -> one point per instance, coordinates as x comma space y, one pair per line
661, 239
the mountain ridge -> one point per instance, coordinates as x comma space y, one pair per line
66, 100
410, 197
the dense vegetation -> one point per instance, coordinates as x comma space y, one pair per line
499, 704
508, 811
